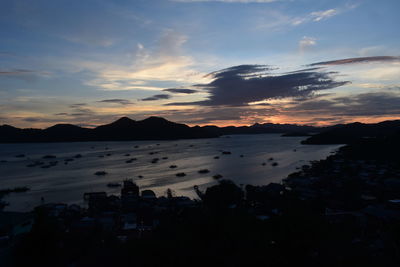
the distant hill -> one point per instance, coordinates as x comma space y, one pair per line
148, 129
157, 128
266, 128
353, 132
152, 128
124, 129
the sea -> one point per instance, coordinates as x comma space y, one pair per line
69, 169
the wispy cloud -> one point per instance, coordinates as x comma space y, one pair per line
157, 97
365, 104
180, 91
77, 105
276, 20
321, 15
116, 101
23, 74
357, 60
15, 72
79, 112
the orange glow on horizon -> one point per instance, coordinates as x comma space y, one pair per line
22, 120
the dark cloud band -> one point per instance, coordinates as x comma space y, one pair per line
356, 60
241, 85
157, 97
180, 91
116, 101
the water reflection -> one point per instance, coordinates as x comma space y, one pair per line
69, 179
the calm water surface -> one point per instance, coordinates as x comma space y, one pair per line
67, 182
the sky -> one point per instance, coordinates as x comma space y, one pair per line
199, 62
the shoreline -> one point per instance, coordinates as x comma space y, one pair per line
244, 165
345, 209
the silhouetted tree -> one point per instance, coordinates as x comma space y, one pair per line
223, 195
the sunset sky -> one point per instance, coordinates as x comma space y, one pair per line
222, 62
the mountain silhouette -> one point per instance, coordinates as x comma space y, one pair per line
157, 128
353, 132
151, 128
123, 129
64, 133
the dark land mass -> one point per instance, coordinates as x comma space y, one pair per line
341, 211
156, 128
353, 132
264, 128
125, 129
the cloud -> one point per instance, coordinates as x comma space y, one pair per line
217, 115
275, 20
359, 105
22, 74
164, 62
321, 15
384, 70
233, 115
241, 70
373, 50
370, 104
181, 91
380, 74
78, 112
303, 70
157, 97
357, 60
378, 86
116, 101
306, 43
315, 16
15, 72
77, 105
30, 119
243, 84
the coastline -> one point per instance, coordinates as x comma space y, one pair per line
342, 208
67, 182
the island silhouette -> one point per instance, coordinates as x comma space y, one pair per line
157, 128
